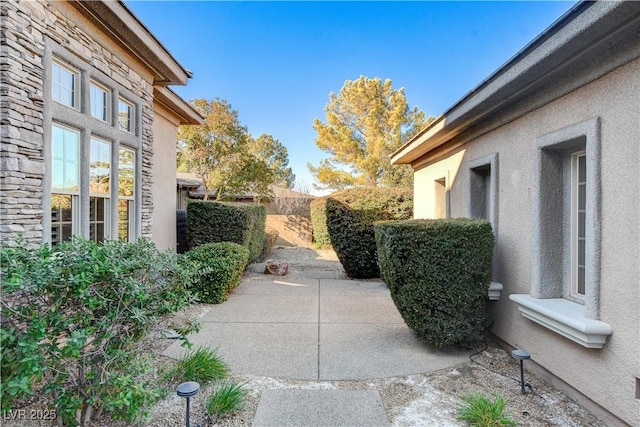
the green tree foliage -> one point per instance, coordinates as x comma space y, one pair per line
365, 123
214, 151
271, 160
224, 156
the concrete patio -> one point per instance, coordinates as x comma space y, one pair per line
315, 329
321, 328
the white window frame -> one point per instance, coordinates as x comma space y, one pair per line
132, 115
74, 194
75, 90
75, 214
575, 226
550, 304
77, 132
483, 203
440, 198
81, 119
106, 196
130, 199
106, 107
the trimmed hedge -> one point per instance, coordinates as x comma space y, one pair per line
350, 217
438, 272
213, 222
217, 268
319, 222
181, 231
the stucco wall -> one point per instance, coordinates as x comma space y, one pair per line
293, 230
27, 26
164, 178
609, 376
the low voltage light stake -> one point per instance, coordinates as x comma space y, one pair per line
186, 390
521, 355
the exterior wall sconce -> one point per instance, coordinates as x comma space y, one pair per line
187, 390
522, 355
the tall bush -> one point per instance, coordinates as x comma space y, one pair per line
181, 231
319, 222
214, 222
438, 272
350, 216
72, 317
218, 268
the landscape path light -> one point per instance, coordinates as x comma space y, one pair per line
187, 390
521, 355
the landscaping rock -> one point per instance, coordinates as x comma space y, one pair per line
278, 268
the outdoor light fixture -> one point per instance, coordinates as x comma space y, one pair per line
186, 390
521, 355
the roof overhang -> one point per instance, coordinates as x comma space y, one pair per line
584, 44
182, 110
116, 20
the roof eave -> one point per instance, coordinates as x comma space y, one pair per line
116, 20
530, 66
185, 113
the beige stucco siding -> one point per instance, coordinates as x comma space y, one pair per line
608, 375
164, 178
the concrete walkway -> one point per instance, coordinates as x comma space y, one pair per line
316, 328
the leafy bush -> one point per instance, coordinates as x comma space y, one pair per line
72, 317
319, 222
438, 272
214, 222
480, 410
217, 267
350, 217
202, 365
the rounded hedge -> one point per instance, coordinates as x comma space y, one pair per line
217, 268
319, 222
438, 272
241, 223
350, 217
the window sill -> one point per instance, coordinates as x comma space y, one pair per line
494, 291
565, 318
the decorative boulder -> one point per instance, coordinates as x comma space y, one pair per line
278, 268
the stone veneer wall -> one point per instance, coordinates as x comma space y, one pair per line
25, 25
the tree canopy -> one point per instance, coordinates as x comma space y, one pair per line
271, 151
224, 156
365, 123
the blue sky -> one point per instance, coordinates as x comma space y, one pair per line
277, 62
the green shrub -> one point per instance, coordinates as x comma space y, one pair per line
72, 318
319, 222
181, 231
438, 272
350, 217
217, 268
214, 222
226, 398
202, 365
480, 410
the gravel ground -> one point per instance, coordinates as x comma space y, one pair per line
416, 400
430, 399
